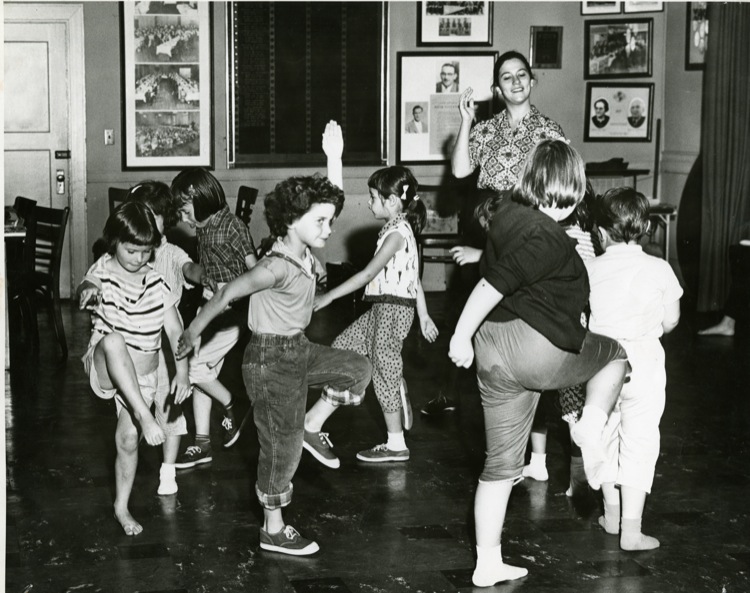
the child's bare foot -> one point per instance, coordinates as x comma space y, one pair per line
725, 327
129, 525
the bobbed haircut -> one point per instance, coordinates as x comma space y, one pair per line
293, 197
583, 215
197, 186
510, 55
400, 182
552, 176
157, 196
134, 223
623, 213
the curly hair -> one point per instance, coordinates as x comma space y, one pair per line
157, 196
293, 197
134, 223
400, 182
197, 186
623, 213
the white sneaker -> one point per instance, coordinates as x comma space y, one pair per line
167, 481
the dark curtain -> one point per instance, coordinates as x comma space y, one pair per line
725, 144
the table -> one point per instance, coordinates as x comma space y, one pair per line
661, 215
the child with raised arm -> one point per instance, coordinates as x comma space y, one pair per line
392, 284
130, 307
635, 298
225, 250
526, 322
280, 363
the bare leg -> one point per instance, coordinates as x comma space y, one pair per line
725, 327
202, 412
273, 521
490, 505
316, 416
126, 463
217, 391
170, 448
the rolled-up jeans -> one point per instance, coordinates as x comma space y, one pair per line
277, 371
515, 363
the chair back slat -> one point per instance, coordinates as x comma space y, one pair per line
117, 196
246, 197
50, 234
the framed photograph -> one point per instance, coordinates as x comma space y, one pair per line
546, 47
167, 85
618, 49
642, 6
428, 87
618, 112
603, 7
696, 35
454, 23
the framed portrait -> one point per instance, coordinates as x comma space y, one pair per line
167, 85
696, 35
618, 49
618, 112
545, 50
454, 23
603, 7
642, 6
428, 88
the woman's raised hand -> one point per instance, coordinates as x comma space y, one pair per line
466, 105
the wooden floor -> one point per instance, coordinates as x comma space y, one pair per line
389, 528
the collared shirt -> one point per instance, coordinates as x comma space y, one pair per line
223, 244
501, 152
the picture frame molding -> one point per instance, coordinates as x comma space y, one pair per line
587, 65
634, 7
426, 25
589, 8
204, 114
629, 90
534, 47
414, 148
691, 64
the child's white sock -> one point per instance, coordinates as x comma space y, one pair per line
167, 481
610, 520
537, 468
631, 538
396, 441
491, 569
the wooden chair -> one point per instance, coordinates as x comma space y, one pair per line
20, 266
434, 247
50, 233
246, 197
117, 196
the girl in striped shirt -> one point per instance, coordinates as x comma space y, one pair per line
130, 305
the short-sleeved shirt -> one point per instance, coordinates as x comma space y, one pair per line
134, 309
629, 290
533, 263
397, 282
169, 259
285, 308
223, 244
501, 152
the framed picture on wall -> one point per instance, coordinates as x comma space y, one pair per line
618, 49
167, 85
618, 112
601, 7
642, 6
545, 49
428, 87
454, 23
696, 35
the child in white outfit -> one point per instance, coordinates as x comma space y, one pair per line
635, 298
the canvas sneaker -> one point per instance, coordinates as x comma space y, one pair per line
287, 541
381, 453
407, 417
438, 405
232, 429
193, 456
320, 447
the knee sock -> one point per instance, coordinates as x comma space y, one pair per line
610, 521
203, 441
537, 468
631, 538
491, 569
229, 410
396, 441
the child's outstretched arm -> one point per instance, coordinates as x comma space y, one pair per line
333, 146
88, 294
180, 384
390, 246
428, 327
463, 254
196, 274
255, 280
482, 300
